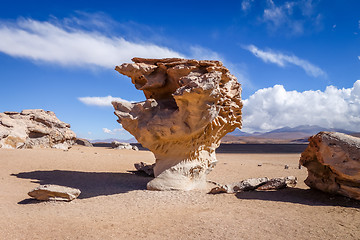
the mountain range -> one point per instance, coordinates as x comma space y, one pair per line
299, 134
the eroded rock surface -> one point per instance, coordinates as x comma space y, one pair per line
190, 105
34, 128
333, 163
54, 192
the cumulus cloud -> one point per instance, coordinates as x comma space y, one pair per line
114, 131
282, 60
60, 44
274, 107
100, 101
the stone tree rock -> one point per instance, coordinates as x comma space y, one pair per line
333, 163
34, 128
190, 105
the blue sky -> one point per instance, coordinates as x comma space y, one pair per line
298, 61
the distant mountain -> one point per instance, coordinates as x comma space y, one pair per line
110, 140
238, 132
298, 134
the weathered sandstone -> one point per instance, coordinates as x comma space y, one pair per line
54, 192
190, 105
256, 184
34, 128
333, 163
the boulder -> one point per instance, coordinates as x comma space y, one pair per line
54, 192
146, 168
122, 145
83, 142
333, 163
190, 105
250, 184
34, 128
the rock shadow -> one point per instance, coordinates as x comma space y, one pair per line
91, 184
310, 197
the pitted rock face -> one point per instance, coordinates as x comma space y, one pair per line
34, 128
190, 106
333, 163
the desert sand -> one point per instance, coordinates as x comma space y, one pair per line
115, 205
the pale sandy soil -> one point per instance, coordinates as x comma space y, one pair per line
115, 205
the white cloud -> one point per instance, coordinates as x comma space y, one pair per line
282, 60
100, 101
106, 130
114, 131
274, 107
69, 46
201, 53
282, 16
246, 5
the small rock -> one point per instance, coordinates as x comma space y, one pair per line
54, 192
260, 164
249, 184
279, 183
146, 168
286, 167
256, 184
219, 189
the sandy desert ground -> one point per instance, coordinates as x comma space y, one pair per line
115, 205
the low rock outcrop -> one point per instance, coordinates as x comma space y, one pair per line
261, 184
333, 163
190, 105
83, 142
54, 192
122, 145
34, 128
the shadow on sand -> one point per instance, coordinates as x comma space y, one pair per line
91, 184
309, 197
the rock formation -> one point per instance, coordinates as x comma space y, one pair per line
54, 192
34, 128
190, 105
333, 163
122, 145
83, 142
261, 184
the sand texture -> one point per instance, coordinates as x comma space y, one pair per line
114, 204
